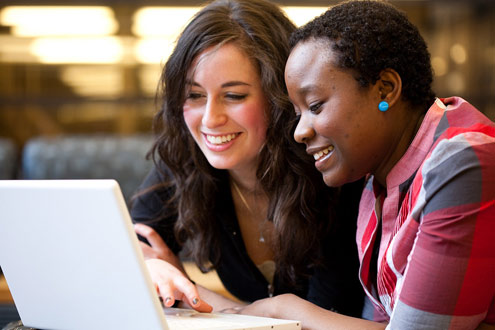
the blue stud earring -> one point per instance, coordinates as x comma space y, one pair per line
383, 106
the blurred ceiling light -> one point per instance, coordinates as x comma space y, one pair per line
160, 27
301, 15
169, 21
439, 66
32, 21
161, 21
154, 50
458, 53
78, 50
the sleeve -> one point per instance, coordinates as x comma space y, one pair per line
149, 207
335, 283
449, 279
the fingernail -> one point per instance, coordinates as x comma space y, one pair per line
195, 301
167, 300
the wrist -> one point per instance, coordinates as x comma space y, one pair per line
275, 306
280, 305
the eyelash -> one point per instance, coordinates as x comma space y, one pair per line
315, 107
236, 97
194, 96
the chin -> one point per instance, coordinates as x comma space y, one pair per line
333, 180
220, 166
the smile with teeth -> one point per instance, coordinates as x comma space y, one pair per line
220, 139
318, 155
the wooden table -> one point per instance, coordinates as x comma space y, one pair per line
5, 297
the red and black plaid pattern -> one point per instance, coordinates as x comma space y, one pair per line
436, 259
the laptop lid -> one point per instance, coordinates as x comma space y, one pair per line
72, 260
69, 259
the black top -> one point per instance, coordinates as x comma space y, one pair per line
334, 284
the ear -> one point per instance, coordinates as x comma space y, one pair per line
389, 86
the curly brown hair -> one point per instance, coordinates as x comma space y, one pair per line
369, 36
299, 202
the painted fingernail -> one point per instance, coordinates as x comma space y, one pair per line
195, 301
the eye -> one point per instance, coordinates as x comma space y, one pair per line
235, 96
193, 96
315, 107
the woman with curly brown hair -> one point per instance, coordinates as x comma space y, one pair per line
229, 181
360, 77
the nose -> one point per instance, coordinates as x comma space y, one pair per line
304, 130
214, 115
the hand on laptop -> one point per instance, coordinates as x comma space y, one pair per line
171, 284
167, 273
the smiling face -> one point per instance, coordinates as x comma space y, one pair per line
339, 120
225, 108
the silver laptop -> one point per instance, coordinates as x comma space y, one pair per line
72, 261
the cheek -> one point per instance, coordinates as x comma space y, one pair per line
256, 119
327, 124
191, 118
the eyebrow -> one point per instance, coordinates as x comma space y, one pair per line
303, 91
307, 88
227, 84
235, 83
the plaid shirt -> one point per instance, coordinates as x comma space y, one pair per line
434, 267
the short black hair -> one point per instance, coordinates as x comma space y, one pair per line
370, 36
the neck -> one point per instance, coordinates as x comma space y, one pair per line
247, 182
412, 119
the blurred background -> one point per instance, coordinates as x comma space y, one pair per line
93, 66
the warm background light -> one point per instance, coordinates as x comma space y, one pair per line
301, 15
77, 50
29, 21
440, 67
458, 53
96, 67
154, 50
161, 21
86, 34
94, 80
159, 28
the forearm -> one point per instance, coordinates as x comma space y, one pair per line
311, 316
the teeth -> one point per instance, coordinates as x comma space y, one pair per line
323, 152
220, 139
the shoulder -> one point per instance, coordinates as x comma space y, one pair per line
459, 170
464, 138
